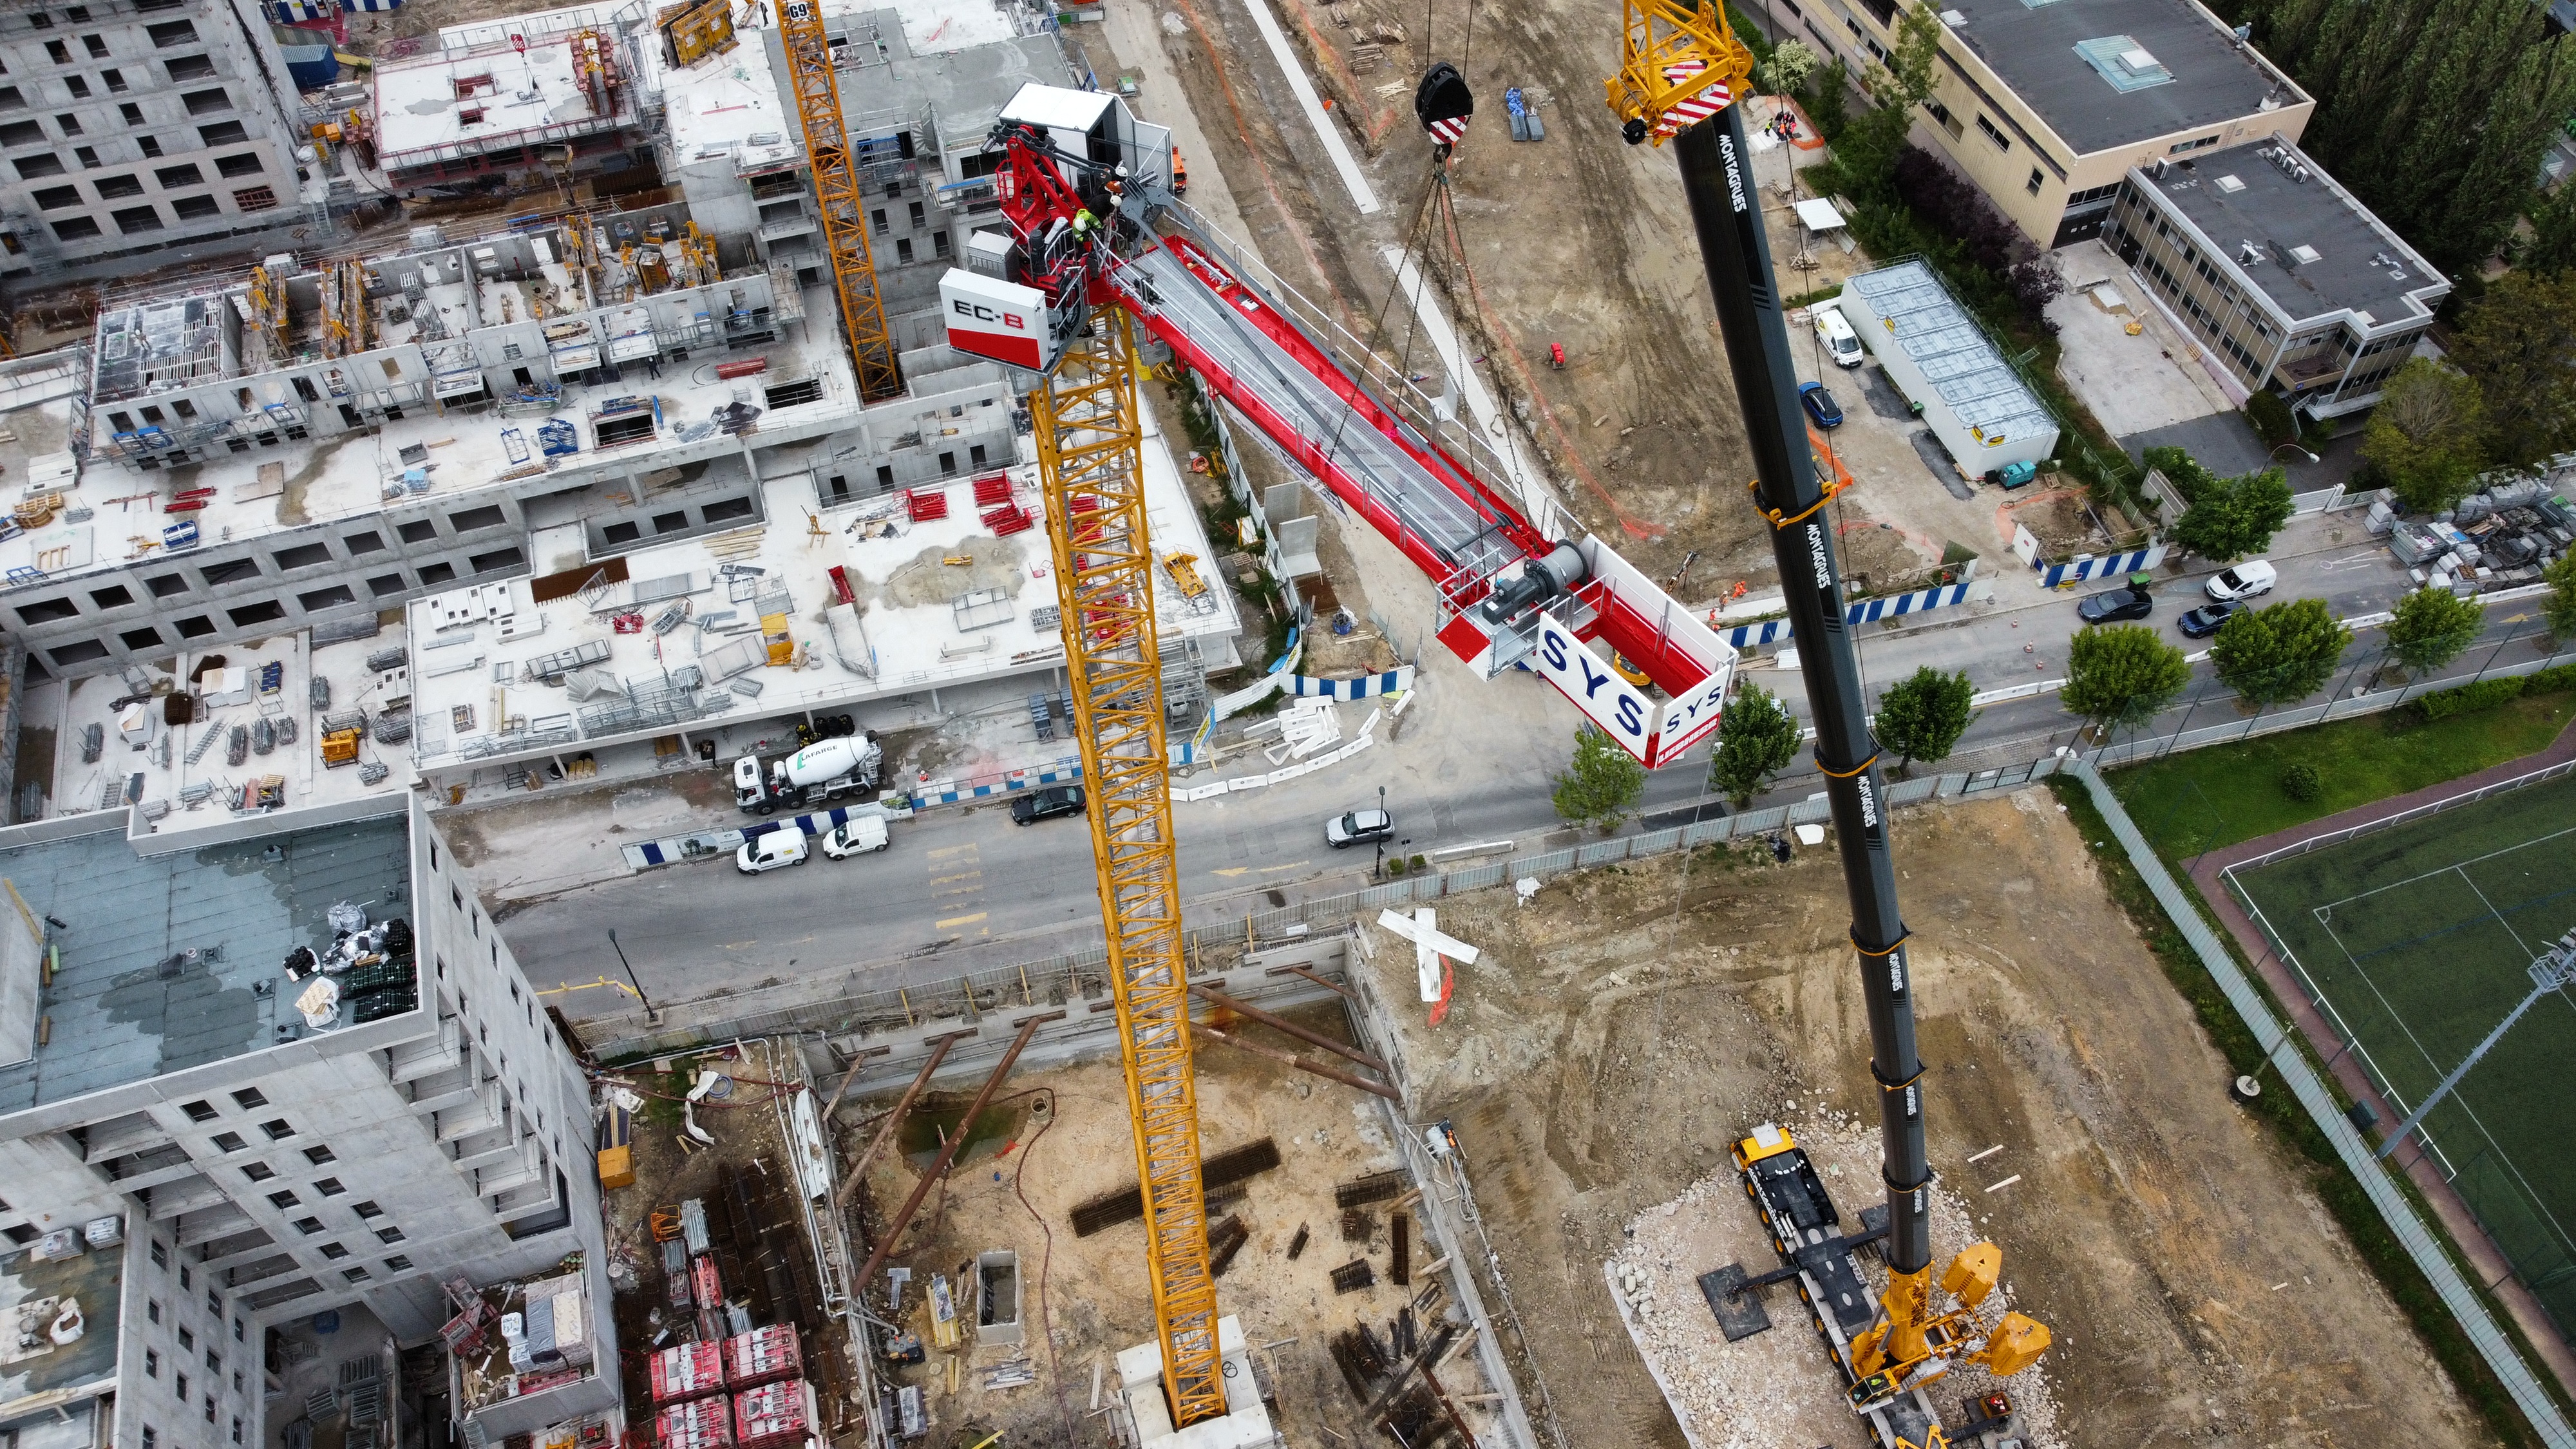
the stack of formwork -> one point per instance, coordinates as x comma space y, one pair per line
773, 1416
762, 1356
696, 1424
688, 1371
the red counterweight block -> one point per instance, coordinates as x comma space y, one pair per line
688, 1371
762, 1356
698, 1424
773, 1416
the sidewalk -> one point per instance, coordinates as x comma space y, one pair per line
2480, 1253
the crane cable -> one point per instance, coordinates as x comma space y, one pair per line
1413, 232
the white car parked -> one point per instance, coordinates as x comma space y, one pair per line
2243, 581
772, 850
857, 836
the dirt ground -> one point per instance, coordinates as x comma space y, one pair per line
1058, 1138
1623, 1028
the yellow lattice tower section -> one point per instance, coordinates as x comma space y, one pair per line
1089, 441
836, 190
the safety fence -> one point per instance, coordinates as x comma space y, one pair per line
2422, 1243
2404, 817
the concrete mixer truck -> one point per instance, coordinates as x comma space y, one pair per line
824, 770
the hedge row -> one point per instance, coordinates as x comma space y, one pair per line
2488, 693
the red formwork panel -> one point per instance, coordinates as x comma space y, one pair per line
688, 1371
773, 1416
705, 1283
696, 1424
764, 1355
991, 488
925, 504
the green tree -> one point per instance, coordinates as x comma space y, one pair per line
1922, 717
2270, 418
2121, 676
2431, 627
1757, 737
2558, 611
2275, 655
1602, 783
1866, 151
2519, 346
2230, 518
2428, 435
1787, 70
2552, 248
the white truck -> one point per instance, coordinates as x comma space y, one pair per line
824, 770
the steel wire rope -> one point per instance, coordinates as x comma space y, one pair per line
1413, 232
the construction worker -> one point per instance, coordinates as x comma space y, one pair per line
1083, 222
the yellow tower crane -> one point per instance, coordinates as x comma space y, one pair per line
836, 191
1090, 460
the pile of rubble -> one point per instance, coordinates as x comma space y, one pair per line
2492, 540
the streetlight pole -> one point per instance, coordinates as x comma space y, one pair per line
2554, 969
650, 1015
2304, 455
1378, 871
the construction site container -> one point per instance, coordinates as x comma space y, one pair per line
688, 1371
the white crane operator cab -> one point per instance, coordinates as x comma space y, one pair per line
990, 308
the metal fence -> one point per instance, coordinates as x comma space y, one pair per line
2422, 1243
2403, 817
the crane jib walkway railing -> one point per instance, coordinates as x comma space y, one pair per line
1387, 384
2422, 1243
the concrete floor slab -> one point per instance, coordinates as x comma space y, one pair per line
2130, 384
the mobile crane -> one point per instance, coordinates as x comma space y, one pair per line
1102, 245
1680, 71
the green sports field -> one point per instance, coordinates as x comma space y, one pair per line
2417, 939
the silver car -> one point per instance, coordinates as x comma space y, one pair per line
1358, 827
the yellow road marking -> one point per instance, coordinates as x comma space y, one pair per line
1231, 872
589, 986
737, 945
958, 921
949, 850
1292, 865
961, 875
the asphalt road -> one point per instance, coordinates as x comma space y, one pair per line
966, 888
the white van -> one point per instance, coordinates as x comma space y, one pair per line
1838, 337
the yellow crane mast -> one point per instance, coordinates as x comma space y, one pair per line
836, 191
1089, 442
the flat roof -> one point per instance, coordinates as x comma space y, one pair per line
189, 780
126, 1006
2088, 96
926, 622
728, 104
458, 102
1955, 357
94, 1280
2351, 261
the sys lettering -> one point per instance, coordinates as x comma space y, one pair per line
1555, 651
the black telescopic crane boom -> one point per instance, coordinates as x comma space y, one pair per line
1726, 209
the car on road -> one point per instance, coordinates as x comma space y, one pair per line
2115, 604
772, 850
857, 836
2243, 581
1820, 405
2204, 621
1046, 804
1358, 827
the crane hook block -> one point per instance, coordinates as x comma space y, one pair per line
1443, 103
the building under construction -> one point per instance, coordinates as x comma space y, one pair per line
536, 434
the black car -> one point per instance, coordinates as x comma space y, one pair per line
2202, 622
2103, 608
1046, 804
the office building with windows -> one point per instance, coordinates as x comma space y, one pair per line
2046, 104
2290, 283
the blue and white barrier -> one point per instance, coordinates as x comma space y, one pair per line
947, 792
1859, 611
706, 844
1393, 681
2078, 570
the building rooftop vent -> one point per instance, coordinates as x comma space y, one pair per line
2230, 184
2306, 256
2127, 65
